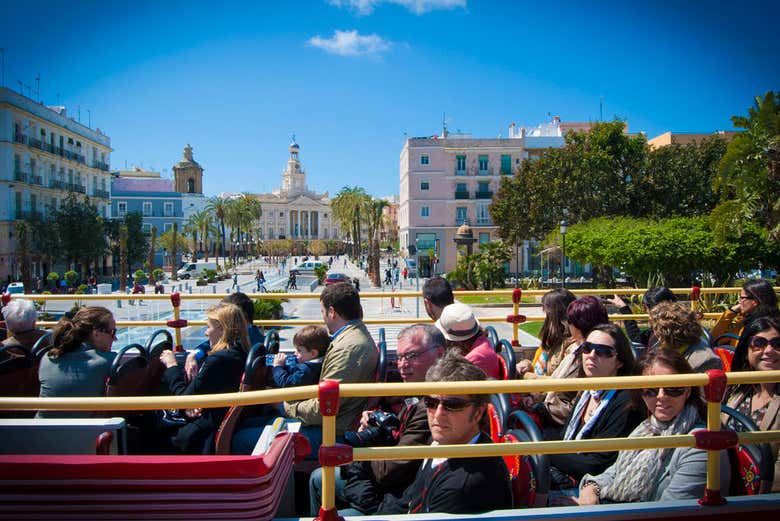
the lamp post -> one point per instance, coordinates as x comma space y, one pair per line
564, 228
517, 264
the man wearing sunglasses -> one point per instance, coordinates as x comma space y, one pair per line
363, 485
455, 485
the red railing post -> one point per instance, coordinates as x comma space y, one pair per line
330, 454
712, 439
177, 323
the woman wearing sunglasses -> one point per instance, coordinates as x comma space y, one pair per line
597, 413
757, 298
657, 474
80, 358
759, 350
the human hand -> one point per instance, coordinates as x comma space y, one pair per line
564, 501
193, 413
364, 420
588, 496
168, 358
523, 366
617, 301
190, 366
279, 359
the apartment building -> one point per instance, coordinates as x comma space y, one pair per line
44, 156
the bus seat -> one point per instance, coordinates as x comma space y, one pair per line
753, 464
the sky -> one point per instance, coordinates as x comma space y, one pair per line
352, 79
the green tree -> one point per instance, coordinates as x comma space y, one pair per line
347, 206
219, 207
23, 254
748, 180
137, 240
80, 229
482, 269
372, 210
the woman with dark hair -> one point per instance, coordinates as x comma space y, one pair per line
582, 315
657, 474
675, 327
220, 373
759, 350
756, 299
601, 413
652, 297
554, 335
80, 359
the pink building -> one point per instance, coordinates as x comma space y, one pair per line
449, 180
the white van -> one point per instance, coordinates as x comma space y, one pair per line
411, 267
309, 266
195, 269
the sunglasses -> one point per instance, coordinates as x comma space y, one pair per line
414, 355
602, 350
759, 343
746, 297
672, 392
449, 404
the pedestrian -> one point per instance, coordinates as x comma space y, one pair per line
235, 280
405, 273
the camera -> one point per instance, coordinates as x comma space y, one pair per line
381, 430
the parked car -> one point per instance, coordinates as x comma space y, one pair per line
308, 266
411, 267
336, 278
16, 287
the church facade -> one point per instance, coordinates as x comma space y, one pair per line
293, 211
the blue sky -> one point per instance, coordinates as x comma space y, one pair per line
351, 78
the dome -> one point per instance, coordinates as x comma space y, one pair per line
464, 230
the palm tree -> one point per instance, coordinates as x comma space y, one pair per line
347, 207
373, 212
218, 206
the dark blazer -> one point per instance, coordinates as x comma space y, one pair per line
456, 486
220, 373
617, 420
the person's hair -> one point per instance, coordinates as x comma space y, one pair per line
464, 346
231, 320
674, 324
585, 313
675, 361
71, 332
438, 291
313, 338
244, 303
20, 315
427, 336
453, 367
623, 347
344, 298
555, 328
654, 296
740, 361
764, 294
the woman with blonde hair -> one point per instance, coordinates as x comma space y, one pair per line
221, 373
80, 359
675, 327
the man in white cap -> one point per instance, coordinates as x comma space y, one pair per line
464, 334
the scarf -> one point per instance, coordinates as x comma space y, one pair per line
576, 417
638, 471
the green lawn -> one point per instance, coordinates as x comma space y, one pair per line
490, 299
532, 328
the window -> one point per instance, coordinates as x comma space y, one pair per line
425, 184
167, 227
484, 186
17, 163
147, 228
147, 208
484, 237
281, 214
121, 208
168, 209
425, 211
483, 163
424, 159
190, 186
461, 213
483, 214
325, 233
270, 232
460, 163
461, 187
506, 164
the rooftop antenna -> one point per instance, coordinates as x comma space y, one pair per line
21, 87
601, 108
79, 106
89, 118
38, 87
444, 124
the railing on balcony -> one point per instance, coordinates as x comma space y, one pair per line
35, 143
485, 171
57, 185
100, 165
459, 221
483, 194
103, 194
460, 171
20, 176
36, 180
484, 221
48, 147
461, 194
20, 138
76, 188
28, 214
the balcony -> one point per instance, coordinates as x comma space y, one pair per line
67, 154
100, 165
20, 176
460, 221
484, 221
28, 214
102, 194
35, 143
483, 194
20, 138
36, 180
76, 188
57, 185
485, 171
460, 171
461, 194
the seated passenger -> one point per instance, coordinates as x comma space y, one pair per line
197, 355
437, 295
658, 474
454, 485
759, 350
554, 335
79, 362
221, 373
555, 407
20, 320
675, 327
652, 297
461, 329
756, 299
597, 413
363, 485
310, 343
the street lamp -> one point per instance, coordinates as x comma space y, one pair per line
564, 228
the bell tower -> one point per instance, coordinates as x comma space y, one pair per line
293, 177
188, 174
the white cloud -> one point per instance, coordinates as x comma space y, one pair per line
351, 43
418, 7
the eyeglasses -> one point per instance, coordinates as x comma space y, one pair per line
745, 297
111, 332
759, 343
414, 355
449, 404
602, 350
672, 392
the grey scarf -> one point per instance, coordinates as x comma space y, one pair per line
638, 471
